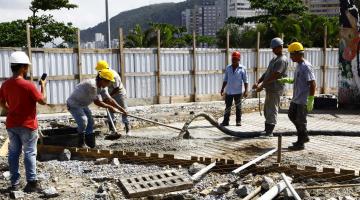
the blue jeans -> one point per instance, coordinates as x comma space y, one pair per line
83, 119
120, 99
22, 139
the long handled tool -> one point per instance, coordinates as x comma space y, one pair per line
115, 135
260, 103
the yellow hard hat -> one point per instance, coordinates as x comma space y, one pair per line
102, 64
107, 74
295, 47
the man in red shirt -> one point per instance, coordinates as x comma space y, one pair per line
19, 97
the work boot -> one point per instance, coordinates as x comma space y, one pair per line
238, 123
297, 147
15, 187
306, 140
32, 186
269, 128
224, 124
90, 140
81, 143
127, 128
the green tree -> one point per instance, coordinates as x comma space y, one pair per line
44, 29
170, 36
235, 34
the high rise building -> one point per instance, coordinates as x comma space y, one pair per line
329, 8
209, 17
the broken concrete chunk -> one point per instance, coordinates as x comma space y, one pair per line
196, 167
102, 195
244, 190
6, 175
101, 161
115, 162
267, 183
50, 192
17, 195
65, 155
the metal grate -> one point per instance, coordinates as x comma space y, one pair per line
155, 183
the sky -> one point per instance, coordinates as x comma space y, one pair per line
88, 14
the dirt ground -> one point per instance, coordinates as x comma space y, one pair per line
86, 180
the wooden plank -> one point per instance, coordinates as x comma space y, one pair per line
28, 38
227, 51
194, 68
323, 86
79, 63
158, 68
122, 57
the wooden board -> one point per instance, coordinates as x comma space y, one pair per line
155, 183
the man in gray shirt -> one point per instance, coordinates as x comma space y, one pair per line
87, 92
277, 69
118, 93
303, 94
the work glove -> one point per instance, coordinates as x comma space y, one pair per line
310, 103
286, 80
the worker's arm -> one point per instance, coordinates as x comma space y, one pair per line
115, 91
256, 84
105, 105
310, 99
113, 103
246, 89
273, 77
222, 88
3, 104
43, 100
312, 88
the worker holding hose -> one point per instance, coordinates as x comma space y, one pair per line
274, 90
87, 92
234, 78
303, 94
118, 92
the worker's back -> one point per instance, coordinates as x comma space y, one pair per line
21, 97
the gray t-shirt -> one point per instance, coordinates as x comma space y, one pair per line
278, 64
117, 84
303, 74
85, 93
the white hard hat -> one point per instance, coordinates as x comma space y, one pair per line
19, 57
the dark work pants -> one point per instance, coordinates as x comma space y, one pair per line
297, 114
228, 102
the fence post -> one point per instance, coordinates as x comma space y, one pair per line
121, 69
227, 52
194, 68
324, 67
158, 78
79, 63
257, 67
28, 38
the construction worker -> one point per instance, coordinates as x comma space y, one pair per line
235, 76
303, 94
118, 92
19, 97
86, 92
277, 69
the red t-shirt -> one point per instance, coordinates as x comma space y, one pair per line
21, 97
